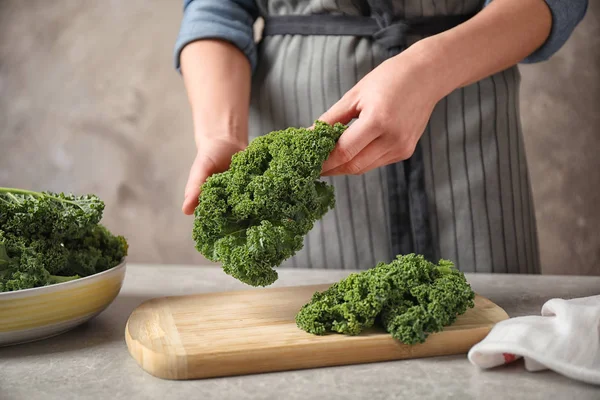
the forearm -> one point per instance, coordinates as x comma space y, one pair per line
500, 36
217, 78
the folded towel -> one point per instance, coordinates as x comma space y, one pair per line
565, 339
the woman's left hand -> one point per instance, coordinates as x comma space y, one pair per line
392, 104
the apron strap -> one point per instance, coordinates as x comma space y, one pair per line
390, 36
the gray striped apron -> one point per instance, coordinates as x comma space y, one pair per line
464, 195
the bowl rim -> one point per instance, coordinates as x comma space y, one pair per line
61, 285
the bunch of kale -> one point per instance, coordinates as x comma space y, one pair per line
410, 298
48, 238
255, 215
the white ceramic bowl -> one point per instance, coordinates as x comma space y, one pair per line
38, 313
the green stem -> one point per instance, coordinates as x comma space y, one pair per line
24, 192
21, 191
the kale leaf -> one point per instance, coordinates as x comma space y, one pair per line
410, 297
255, 215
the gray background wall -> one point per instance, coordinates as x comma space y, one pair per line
89, 102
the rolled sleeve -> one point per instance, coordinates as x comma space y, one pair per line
566, 15
229, 20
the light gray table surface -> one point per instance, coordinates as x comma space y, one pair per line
92, 362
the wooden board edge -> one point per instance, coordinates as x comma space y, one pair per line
155, 363
159, 364
297, 358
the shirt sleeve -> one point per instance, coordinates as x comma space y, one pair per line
229, 20
566, 15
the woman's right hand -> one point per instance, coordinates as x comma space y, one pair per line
214, 155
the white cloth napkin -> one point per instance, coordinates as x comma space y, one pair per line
565, 339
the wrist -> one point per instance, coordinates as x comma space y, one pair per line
231, 130
431, 60
203, 137
497, 38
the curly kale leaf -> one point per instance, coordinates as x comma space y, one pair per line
97, 251
410, 297
434, 306
255, 215
43, 214
26, 263
348, 306
48, 238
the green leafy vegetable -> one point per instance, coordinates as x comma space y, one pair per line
48, 238
29, 214
255, 215
410, 297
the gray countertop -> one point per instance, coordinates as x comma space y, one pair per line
92, 362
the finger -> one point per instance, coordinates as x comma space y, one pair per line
344, 111
381, 163
377, 151
353, 141
391, 158
191, 202
198, 175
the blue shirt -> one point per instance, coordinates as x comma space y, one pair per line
232, 21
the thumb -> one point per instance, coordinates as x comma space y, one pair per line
344, 111
197, 176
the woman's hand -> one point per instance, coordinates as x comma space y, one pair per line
393, 104
214, 156
217, 79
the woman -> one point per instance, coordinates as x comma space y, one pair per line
433, 162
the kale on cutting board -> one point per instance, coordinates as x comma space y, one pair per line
48, 238
410, 298
255, 215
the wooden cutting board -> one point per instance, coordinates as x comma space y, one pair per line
253, 331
